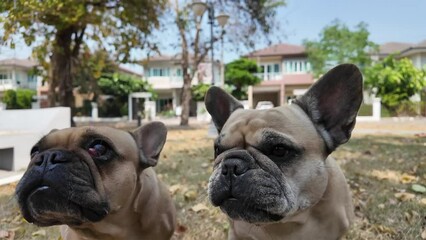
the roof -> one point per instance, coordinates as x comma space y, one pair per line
14, 62
282, 49
128, 71
393, 47
401, 48
167, 58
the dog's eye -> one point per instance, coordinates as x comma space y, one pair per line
34, 151
98, 149
279, 151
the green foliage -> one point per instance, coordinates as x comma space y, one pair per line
199, 91
89, 69
240, 75
121, 85
19, 99
129, 21
395, 81
58, 29
339, 44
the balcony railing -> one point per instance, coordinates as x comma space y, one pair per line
6, 84
269, 76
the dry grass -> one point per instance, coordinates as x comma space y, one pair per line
377, 168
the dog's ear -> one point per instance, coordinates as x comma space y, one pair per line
150, 139
220, 105
333, 102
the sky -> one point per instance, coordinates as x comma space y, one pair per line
388, 21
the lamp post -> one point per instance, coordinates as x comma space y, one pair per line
199, 8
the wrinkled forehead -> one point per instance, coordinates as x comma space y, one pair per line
255, 126
75, 137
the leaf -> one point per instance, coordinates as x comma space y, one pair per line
404, 196
406, 178
423, 235
174, 189
384, 229
386, 175
190, 195
40, 232
199, 207
423, 201
418, 188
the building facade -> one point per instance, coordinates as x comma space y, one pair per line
164, 73
18, 73
285, 74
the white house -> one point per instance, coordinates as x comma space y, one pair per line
17, 73
164, 73
416, 52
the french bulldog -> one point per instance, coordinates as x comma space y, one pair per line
273, 175
98, 183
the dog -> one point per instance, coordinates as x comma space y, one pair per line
273, 176
98, 183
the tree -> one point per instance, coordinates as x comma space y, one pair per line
120, 86
60, 27
198, 92
395, 81
252, 19
240, 75
18, 99
89, 68
339, 44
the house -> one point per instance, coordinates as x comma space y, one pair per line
415, 52
17, 73
164, 73
285, 74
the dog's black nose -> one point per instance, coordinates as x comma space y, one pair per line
51, 157
234, 166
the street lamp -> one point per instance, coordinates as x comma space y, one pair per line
199, 8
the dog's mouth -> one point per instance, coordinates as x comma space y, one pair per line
43, 205
240, 210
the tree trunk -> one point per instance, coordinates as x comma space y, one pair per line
186, 100
61, 76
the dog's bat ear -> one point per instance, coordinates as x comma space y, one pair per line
150, 139
53, 130
220, 105
333, 102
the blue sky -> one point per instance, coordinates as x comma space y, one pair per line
388, 20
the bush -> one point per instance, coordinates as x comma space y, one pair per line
199, 91
19, 99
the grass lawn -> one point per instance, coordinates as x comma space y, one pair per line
380, 171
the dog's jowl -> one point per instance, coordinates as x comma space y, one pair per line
99, 183
273, 175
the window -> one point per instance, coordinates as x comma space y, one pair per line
4, 75
276, 68
160, 72
297, 66
179, 72
269, 67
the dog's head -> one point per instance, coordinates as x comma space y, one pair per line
80, 175
270, 164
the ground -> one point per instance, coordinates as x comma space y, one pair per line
381, 171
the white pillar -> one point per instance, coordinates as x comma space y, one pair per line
377, 106
250, 97
129, 103
94, 110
